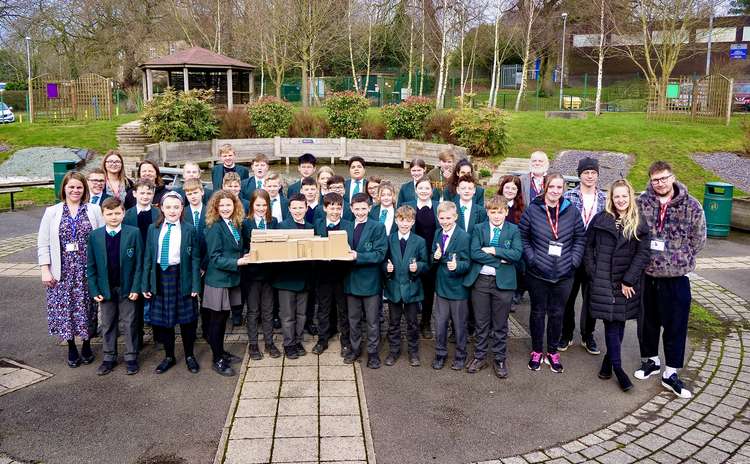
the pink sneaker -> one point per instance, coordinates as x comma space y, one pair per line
535, 363
554, 362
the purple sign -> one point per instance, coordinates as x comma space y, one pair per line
52, 91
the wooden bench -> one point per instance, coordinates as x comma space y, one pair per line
12, 191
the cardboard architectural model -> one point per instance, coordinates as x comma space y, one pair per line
283, 245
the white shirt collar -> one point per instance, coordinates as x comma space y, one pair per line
421, 204
116, 229
198, 208
492, 226
450, 233
140, 209
330, 223
467, 204
356, 222
259, 218
404, 237
313, 205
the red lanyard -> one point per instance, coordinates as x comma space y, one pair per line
554, 226
662, 216
587, 216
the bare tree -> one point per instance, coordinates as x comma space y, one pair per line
529, 12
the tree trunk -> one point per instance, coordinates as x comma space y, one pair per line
600, 63
351, 49
440, 93
463, 73
526, 54
305, 89
411, 54
492, 101
369, 55
421, 66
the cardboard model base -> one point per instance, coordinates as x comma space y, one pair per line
284, 245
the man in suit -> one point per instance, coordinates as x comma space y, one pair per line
532, 182
227, 157
363, 284
97, 192
306, 168
357, 182
113, 271
496, 248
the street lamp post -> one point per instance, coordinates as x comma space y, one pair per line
562, 58
29, 102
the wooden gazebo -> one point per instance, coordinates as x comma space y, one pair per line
198, 68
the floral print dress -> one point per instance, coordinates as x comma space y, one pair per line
69, 301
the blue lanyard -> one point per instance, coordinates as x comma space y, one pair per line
73, 223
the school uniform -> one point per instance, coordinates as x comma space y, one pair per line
364, 283
385, 216
218, 172
97, 199
469, 215
207, 192
478, 197
130, 200
113, 270
403, 289
352, 187
407, 193
197, 218
330, 289
452, 296
347, 211
280, 209
425, 225
492, 279
251, 184
294, 189
257, 281
315, 213
171, 273
293, 282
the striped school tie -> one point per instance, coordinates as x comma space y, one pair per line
356, 188
383, 215
495, 241
196, 218
165, 248
262, 224
259, 184
235, 232
112, 233
463, 210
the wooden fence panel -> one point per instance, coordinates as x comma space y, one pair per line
246, 149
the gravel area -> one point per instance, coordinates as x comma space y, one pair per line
731, 167
612, 166
36, 162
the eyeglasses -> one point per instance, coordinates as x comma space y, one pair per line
661, 180
113, 162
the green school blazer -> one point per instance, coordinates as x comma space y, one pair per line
477, 215
190, 260
262, 272
222, 251
131, 262
402, 285
131, 216
296, 276
505, 259
449, 284
217, 175
365, 277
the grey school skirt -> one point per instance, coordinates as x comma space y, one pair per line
221, 299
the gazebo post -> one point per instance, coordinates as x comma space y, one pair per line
145, 87
251, 86
185, 84
229, 89
149, 84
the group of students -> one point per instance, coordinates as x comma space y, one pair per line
434, 244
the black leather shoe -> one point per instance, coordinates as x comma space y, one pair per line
320, 348
391, 359
255, 353
88, 358
230, 358
291, 352
276, 323
345, 350
476, 365
165, 365
458, 364
605, 372
623, 379
223, 368
301, 351
373, 361
272, 350
105, 367
132, 367
501, 369
414, 360
192, 364
351, 357
438, 363
73, 363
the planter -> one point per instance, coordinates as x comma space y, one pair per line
741, 213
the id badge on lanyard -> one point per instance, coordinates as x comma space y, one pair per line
73, 245
555, 247
659, 244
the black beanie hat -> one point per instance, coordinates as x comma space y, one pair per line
588, 163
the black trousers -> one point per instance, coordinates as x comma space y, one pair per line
614, 331
259, 304
367, 308
217, 327
139, 306
428, 284
666, 306
547, 306
410, 311
166, 335
492, 308
332, 312
587, 323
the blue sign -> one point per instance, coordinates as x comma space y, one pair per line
738, 52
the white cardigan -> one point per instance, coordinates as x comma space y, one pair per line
48, 240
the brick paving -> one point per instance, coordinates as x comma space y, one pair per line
12, 245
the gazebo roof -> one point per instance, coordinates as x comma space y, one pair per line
195, 57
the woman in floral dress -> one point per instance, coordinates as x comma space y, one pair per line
61, 248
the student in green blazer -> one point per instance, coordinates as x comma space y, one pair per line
450, 257
469, 212
293, 282
256, 278
364, 283
336, 184
407, 192
222, 292
227, 165
385, 211
113, 271
405, 261
306, 168
462, 168
172, 282
496, 248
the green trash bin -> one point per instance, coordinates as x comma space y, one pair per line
717, 204
60, 168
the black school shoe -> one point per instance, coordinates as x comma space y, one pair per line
132, 367
73, 363
351, 357
605, 373
414, 360
476, 365
272, 350
192, 364
458, 364
301, 351
373, 361
291, 352
165, 365
501, 369
438, 363
623, 379
391, 359
230, 358
105, 367
255, 353
222, 367
320, 348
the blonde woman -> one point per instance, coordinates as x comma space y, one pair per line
116, 183
617, 252
324, 173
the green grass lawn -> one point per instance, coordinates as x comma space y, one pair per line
629, 133
94, 135
29, 197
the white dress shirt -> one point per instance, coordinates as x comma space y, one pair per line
175, 240
448, 240
489, 270
116, 229
388, 219
276, 209
466, 214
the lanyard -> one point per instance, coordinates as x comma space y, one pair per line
662, 216
587, 216
553, 227
73, 223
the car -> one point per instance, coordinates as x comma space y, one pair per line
741, 95
6, 113
172, 177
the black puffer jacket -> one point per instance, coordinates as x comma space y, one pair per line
612, 260
536, 235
